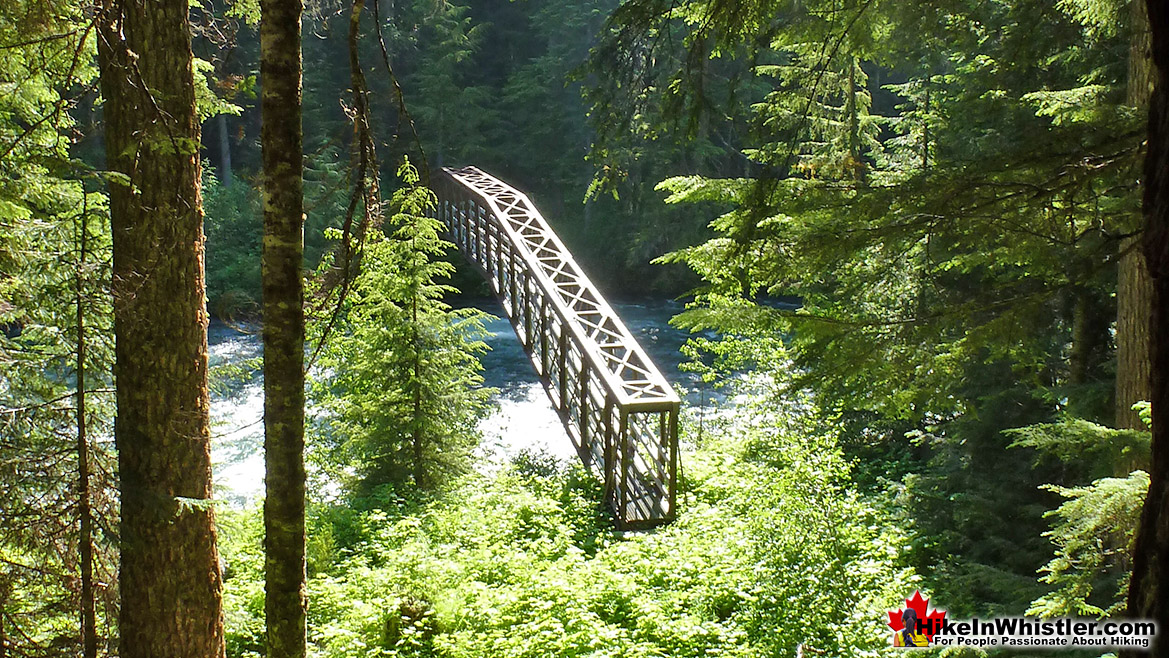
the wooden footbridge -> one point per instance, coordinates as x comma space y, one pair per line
618, 409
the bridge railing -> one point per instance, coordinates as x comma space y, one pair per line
618, 409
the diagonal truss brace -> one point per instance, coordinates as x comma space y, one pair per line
618, 409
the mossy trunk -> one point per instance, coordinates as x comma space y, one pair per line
171, 600
283, 309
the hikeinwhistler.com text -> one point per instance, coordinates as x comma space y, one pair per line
1064, 632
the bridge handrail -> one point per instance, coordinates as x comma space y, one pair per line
665, 397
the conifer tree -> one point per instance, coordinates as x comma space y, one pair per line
55, 479
1133, 288
405, 392
171, 601
962, 284
283, 309
1150, 566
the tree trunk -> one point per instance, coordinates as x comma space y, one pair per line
417, 436
925, 123
225, 174
1134, 290
1148, 595
3, 606
283, 309
171, 589
1091, 322
1081, 345
85, 538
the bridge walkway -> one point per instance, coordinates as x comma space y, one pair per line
619, 411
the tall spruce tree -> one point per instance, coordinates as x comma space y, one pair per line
171, 586
283, 308
405, 390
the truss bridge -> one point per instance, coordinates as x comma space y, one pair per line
618, 409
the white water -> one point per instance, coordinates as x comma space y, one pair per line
237, 420
523, 420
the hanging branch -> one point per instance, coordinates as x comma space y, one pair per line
53, 117
366, 190
399, 95
366, 194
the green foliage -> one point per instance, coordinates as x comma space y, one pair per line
207, 103
403, 391
950, 234
241, 549
1093, 536
248, 10
232, 225
1093, 528
771, 550
487, 84
455, 112
47, 285
1103, 18
954, 229
1101, 450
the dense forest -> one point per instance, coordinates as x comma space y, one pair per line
918, 246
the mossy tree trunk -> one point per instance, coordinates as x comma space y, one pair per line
283, 308
171, 590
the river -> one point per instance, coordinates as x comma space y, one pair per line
522, 420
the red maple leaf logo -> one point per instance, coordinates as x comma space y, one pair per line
931, 620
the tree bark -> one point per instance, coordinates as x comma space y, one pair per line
225, 174
85, 537
1091, 347
3, 634
171, 589
1148, 595
1134, 292
416, 435
283, 309
1133, 300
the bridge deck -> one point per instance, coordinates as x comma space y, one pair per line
618, 409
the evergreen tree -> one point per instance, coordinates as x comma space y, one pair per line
453, 107
283, 309
56, 480
170, 579
403, 394
1134, 293
953, 249
1146, 595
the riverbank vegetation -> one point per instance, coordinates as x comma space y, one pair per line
909, 237
773, 549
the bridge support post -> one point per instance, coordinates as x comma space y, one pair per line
610, 466
586, 454
544, 336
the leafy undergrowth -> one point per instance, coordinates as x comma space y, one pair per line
771, 550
